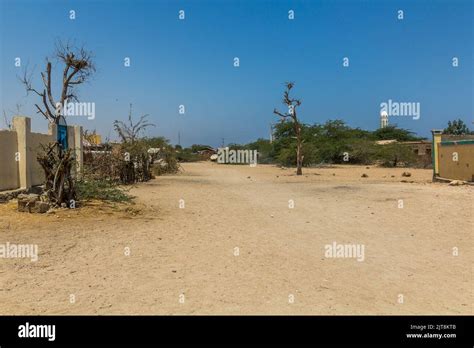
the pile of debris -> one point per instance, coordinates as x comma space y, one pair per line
8, 195
32, 203
457, 183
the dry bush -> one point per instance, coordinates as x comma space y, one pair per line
125, 163
58, 166
166, 164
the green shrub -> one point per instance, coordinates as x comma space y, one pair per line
186, 155
362, 151
393, 155
104, 190
136, 166
167, 164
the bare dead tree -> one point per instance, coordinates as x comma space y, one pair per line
58, 163
292, 104
138, 166
18, 107
8, 120
130, 132
78, 67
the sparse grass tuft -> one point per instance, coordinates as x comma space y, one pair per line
104, 190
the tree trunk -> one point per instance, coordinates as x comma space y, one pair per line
299, 159
299, 171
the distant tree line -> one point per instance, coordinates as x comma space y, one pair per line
457, 127
331, 143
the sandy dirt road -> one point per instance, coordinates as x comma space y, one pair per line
237, 248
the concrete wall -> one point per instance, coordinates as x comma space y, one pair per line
8, 166
463, 168
19, 149
35, 143
450, 137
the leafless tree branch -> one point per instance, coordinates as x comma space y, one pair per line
78, 68
292, 104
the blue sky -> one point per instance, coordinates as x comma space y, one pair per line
190, 61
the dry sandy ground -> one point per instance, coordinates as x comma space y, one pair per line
191, 251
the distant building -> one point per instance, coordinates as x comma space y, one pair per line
383, 119
453, 156
421, 148
385, 142
207, 152
92, 139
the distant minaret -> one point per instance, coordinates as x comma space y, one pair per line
383, 119
271, 133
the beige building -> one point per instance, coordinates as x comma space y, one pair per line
453, 156
421, 148
19, 148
